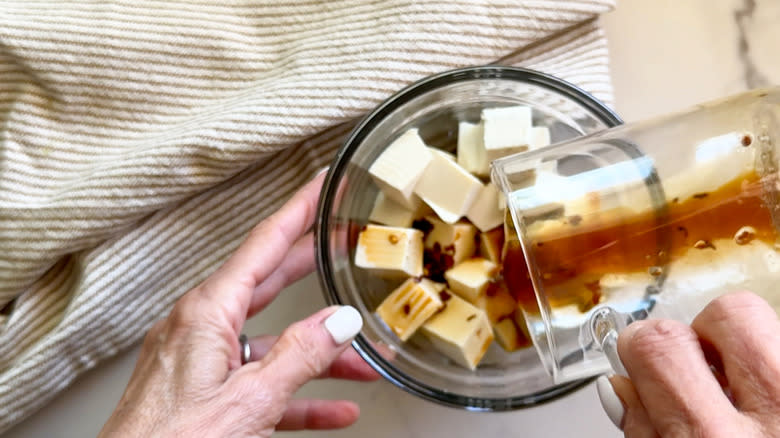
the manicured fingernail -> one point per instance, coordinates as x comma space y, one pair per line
610, 401
344, 324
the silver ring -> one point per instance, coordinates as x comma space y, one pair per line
246, 352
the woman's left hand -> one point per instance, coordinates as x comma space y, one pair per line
189, 380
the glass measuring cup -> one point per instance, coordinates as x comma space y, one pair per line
647, 220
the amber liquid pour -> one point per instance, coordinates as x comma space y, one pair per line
571, 262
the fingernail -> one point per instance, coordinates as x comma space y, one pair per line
321, 171
344, 324
610, 401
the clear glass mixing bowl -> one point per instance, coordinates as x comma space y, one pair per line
435, 105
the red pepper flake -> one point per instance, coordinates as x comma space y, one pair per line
423, 225
704, 244
445, 296
492, 289
747, 140
472, 316
436, 263
407, 309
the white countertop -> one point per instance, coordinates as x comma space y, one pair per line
666, 55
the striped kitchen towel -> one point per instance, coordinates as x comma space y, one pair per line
142, 139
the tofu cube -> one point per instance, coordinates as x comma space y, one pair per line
511, 333
491, 244
471, 148
447, 188
471, 278
460, 331
504, 316
388, 212
443, 153
410, 305
390, 251
539, 136
398, 169
485, 212
507, 130
457, 240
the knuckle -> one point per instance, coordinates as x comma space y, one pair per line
651, 339
184, 313
736, 308
155, 335
298, 339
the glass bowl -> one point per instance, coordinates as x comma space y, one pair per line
435, 105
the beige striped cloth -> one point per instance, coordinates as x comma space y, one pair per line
141, 139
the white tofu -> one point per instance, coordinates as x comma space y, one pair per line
447, 188
460, 331
491, 244
458, 240
507, 130
390, 251
505, 318
410, 305
471, 148
511, 332
485, 212
388, 212
443, 153
538, 137
398, 169
471, 278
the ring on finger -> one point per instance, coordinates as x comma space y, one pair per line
244, 349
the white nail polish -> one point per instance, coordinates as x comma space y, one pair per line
344, 324
610, 401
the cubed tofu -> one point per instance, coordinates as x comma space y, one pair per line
506, 130
447, 188
471, 278
398, 169
538, 137
511, 333
390, 213
410, 305
390, 251
502, 312
471, 148
458, 240
485, 212
460, 331
491, 244
442, 153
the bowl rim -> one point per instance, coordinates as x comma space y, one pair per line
387, 370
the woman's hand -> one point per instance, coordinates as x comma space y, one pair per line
189, 380
718, 377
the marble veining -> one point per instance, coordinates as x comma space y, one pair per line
743, 17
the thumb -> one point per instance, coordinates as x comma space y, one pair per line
307, 348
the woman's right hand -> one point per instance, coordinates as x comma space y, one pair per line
718, 377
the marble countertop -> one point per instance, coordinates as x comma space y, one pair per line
666, 55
